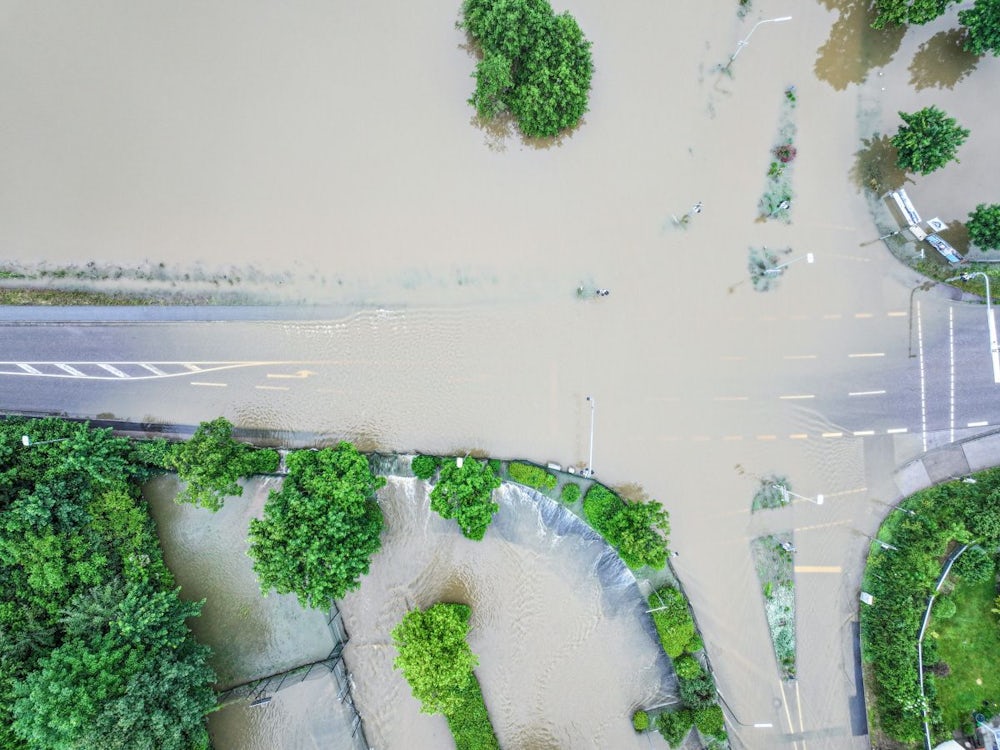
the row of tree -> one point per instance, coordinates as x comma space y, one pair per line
94, 649
901, 580
981, 21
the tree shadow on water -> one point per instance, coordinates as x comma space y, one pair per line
875, 168
941, 62
854, 47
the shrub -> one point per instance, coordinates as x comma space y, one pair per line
495, 465
694, 645
675, 725
974, 566
632, 528
982, 23
687, 667
984, 226
425, 467
710, 721
785, 153
697, 692
672, 620
600, 505
944, 608
640, 721
465, 493
532, 476
570, 493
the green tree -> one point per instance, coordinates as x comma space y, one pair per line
320, 530
434, 656
899, 12
982, 23
465, 493
984, 225
536, 64
639, 531
132, 676
928, 140
211, 462
425, 467
674, 725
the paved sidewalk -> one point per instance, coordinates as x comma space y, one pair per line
951, 461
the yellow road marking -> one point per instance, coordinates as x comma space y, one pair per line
817, 569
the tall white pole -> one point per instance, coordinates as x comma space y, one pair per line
590, 462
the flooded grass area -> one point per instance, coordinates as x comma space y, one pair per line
772, 556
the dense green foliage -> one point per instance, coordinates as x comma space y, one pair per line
929, 140
984, 226
94, 650
465, 493
320, 530
710, 721
900, 12
901, 580
974, 566
673, 621
532, 476
637, 530
437, 662
982, 23
698, 691
425, 467
535, 64
675, 725
211, 462
640, 721
570, 492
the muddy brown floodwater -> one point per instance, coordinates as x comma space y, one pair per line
332, 141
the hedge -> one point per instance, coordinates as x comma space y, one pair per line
532, 476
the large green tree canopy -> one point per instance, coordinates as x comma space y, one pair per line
982, 23
434, 656
900, 12
929, 140
320, 530
211, 462
535, 64
465, 493
984, 226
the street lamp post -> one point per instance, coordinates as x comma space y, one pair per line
744, 42
589, 471
778, 270
785, 492
27, 442
991, 322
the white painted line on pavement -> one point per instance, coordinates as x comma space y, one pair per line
702, 438
800, 396
896, 431
994, 347
210, 385
866, 354
923, 380
833, 434
271, 387
866, 393
799, 356
799, 436
788, 714
730, 398
977, 424
71, 370
951, 365
113, 370
897, 314
192, 368
767, 437
154, 370
864, 315
862, 433
29, 368
836, 316
798, 702
732, 437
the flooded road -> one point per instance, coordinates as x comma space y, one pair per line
334, 142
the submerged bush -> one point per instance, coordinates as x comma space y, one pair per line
710, 721
640, 721
672, 620
637, 530
570, 492
675, 725
532, 476
425, 467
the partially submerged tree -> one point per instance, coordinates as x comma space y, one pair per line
900, 12
984, 226
928, 140
321, 529
982, 23
465, 493
434, 656
211, 462
535, 64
